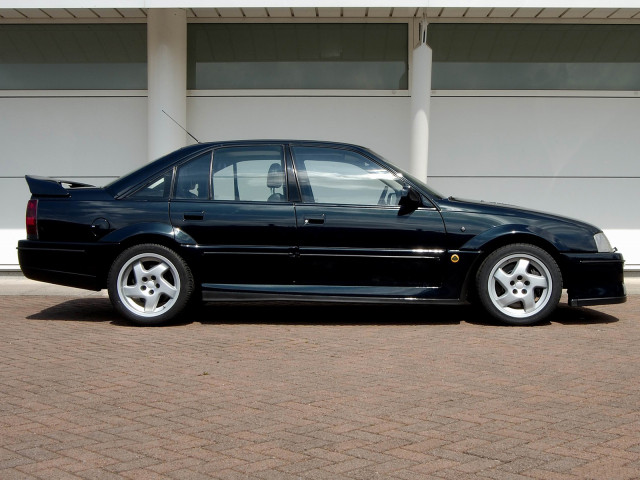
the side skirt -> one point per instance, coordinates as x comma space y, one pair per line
324, 293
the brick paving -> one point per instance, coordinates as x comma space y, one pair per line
317, 392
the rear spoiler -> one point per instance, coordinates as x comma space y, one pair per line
50, 187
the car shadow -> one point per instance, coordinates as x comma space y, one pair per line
93, 309
566, 315
307, 313
99, 309
314, 313
563, 315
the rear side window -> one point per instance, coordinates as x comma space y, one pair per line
157, 189
249, 174
192, 179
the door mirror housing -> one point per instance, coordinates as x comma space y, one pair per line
410, 200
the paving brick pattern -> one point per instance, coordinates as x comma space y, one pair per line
317, 392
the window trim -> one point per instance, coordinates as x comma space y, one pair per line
297, 93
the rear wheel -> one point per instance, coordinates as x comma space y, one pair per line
519, 284
149, 284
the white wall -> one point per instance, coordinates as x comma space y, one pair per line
548, 153
379, 123
89, 139
94, 139
573, 156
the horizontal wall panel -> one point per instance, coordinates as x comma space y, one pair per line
73, 56
535, 136
574, 156
357, 56
8, 243
607, 203
520, 56
379, 123
72, 136
610, 204
14, 194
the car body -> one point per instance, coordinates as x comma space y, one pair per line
305, 220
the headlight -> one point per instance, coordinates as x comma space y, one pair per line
602, 242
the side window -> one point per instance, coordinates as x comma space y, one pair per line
156, 189
329, 175
251, 174
192, 179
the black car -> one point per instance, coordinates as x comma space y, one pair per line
310, 221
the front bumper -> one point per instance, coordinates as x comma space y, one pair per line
594, 278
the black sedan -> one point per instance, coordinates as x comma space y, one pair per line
309, 221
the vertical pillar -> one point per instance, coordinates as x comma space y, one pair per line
166, 80
420, 103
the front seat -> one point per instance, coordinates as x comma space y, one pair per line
275, 179
185, 189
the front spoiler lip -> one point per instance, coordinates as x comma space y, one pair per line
583, 302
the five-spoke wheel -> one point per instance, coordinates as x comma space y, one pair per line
149, 284
519, 284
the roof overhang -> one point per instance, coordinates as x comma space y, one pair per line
538, 10
317, 3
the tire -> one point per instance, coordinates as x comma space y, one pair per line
519, 284
149, 284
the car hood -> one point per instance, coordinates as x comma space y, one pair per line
471, 224
513, 211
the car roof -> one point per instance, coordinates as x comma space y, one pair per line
132, 179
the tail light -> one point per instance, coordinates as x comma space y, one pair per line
32, 218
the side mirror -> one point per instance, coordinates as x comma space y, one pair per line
409, 201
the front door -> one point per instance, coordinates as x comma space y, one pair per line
352, 232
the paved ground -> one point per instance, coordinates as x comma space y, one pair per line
316, 392
12, 283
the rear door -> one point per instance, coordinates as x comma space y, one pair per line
234, 203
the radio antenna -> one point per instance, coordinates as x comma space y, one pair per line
198, 141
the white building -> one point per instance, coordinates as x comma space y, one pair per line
534, 103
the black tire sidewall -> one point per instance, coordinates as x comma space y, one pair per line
495, 257
184, 293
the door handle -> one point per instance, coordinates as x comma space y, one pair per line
314, 220
194, 215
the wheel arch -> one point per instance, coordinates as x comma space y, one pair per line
159, 234
497, 242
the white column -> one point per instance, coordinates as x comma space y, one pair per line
420, 104
167, 80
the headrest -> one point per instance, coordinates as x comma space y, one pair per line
275, 177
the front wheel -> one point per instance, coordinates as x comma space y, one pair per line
149, 284
519, 284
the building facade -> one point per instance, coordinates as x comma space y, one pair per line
537, 106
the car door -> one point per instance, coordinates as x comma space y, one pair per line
352, 232
233, 203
